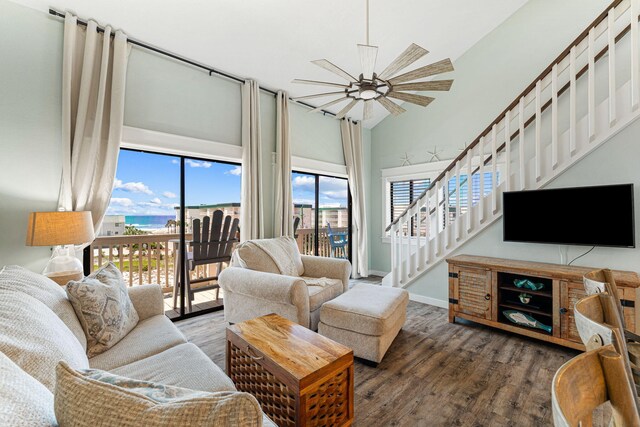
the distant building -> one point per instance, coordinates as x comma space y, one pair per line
200, 211
112, 225
336, 216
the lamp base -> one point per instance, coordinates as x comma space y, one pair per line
64, 266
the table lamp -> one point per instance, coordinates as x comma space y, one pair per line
62, 230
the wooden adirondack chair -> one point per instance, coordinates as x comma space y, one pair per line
213, 242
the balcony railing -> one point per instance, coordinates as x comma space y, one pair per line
150, 258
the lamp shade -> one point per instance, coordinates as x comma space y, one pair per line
59, 228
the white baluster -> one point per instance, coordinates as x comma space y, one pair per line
538, 147
507, 147
554, 116
419, 253
469, 190
635, 55
591, 86
572, 100
611, 22
411, 261
394, 255
494, 168
521, 160
436, 229
458, 223
403, 258
445, 210
427, 225
481, 200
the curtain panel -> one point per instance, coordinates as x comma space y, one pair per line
352, 145
283, 212
251, 202
94, 68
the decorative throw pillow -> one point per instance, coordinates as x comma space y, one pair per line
23, 400
103, 306
91, 398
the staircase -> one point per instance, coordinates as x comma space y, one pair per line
586, 96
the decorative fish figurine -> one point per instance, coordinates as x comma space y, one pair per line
520, 318
528, 284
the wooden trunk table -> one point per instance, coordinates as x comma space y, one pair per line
299, 377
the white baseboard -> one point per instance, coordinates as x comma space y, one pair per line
428, 300
378, 273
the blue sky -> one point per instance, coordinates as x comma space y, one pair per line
149, 184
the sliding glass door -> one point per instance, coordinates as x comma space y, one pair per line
153, 196
322, 211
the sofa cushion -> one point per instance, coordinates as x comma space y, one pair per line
366, 309
103, 306
322, 290
93, 397
35, 338
24, 402
277, 256
151, 336
182, 366
46, 291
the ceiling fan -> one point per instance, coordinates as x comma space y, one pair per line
372, 87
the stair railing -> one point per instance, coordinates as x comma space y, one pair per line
426, 229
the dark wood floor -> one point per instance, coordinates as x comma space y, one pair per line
438, 374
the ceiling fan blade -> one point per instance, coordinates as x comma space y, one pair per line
391, 107
406, 58
323, 63
439, 67
420, 86
319, 83
319, 95
412, 98
328, 104
368, 55
368, 110
346, 109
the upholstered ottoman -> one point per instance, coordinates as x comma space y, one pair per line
366, 318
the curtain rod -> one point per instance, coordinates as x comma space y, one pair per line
186, 60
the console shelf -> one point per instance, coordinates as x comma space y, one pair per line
482, 288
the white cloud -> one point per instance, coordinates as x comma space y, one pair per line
122, 201
175, 161
156, 201
335, 194
306, 182
237, 171
131, 187
169, 195
198, 164
303, 201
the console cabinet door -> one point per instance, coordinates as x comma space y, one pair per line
473, 291
570, 294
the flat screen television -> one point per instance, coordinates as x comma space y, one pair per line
589, 216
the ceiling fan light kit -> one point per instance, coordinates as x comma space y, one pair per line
370, 87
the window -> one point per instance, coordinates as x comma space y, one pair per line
142, 227
323, 231
403, 193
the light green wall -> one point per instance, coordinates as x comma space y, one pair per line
30, 126
487, 78
162, 95
172, 97
615, 162
314, 136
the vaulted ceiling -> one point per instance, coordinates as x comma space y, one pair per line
273, 41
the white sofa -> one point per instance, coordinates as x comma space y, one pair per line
39, 328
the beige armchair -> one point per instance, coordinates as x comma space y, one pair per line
253, 285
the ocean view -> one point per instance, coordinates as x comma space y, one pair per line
148, 222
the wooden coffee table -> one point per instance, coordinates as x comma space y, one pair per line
299, 377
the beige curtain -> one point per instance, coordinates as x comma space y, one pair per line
354, 159
283, 212
94, 68
251, 203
